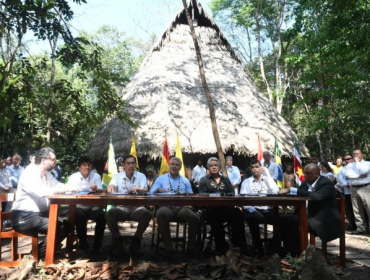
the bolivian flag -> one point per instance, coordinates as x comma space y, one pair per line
165, 163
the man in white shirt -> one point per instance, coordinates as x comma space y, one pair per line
198, 172
272, 166
125, 182
233, 174
15, 170
256, 185
87, 181
31, 207
344, 186
358, 174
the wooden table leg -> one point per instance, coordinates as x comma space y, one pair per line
303, 225
52, 234
275, 224
71, 219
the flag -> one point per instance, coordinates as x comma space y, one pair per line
179, 155
165, 163
299, 178
280, 178
260, 153
133, 151
111, 168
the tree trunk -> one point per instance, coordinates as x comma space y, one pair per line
207, 92
53, 45
262, 68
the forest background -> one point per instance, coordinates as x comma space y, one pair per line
310, 58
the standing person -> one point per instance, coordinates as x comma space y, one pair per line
338, 166
6, 187
198, 172
8, 161
345, 185
314, 159
326, 171
124, 182
57, 172
289, 177
233, 174
173, 182
31, 207
15, 170
151, 176
32, 159
255, 185
4, 178
358, 173
87, 181
270, 165
218, 215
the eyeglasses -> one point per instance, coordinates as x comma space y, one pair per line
130, 162
52, 159
347, 159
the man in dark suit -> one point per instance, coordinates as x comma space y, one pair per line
323, 213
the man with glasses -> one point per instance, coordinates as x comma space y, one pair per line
358, 174
31, 207
128, 181
344, 184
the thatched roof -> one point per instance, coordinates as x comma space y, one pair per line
166, 97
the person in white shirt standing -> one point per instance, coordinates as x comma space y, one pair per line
345, 187
233, 174
198, 172
126, 182
87, 181
270, 165
31, 207
358, 174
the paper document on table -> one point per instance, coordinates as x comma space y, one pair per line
84, 186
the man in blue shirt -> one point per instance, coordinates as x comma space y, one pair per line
15, 170
169, 183
233, 173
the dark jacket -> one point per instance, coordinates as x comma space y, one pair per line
323, 212
207, 185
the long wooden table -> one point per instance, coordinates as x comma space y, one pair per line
181, 200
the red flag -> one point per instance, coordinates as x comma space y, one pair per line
165, 163
260, 153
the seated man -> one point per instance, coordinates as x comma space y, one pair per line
31, 207
255, 185
218, 215
173, 182
87, 181
323, 213
128, 181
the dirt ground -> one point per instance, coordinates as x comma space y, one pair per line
193, 263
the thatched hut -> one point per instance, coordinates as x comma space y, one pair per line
166, 97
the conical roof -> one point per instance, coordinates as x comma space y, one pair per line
166, 97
